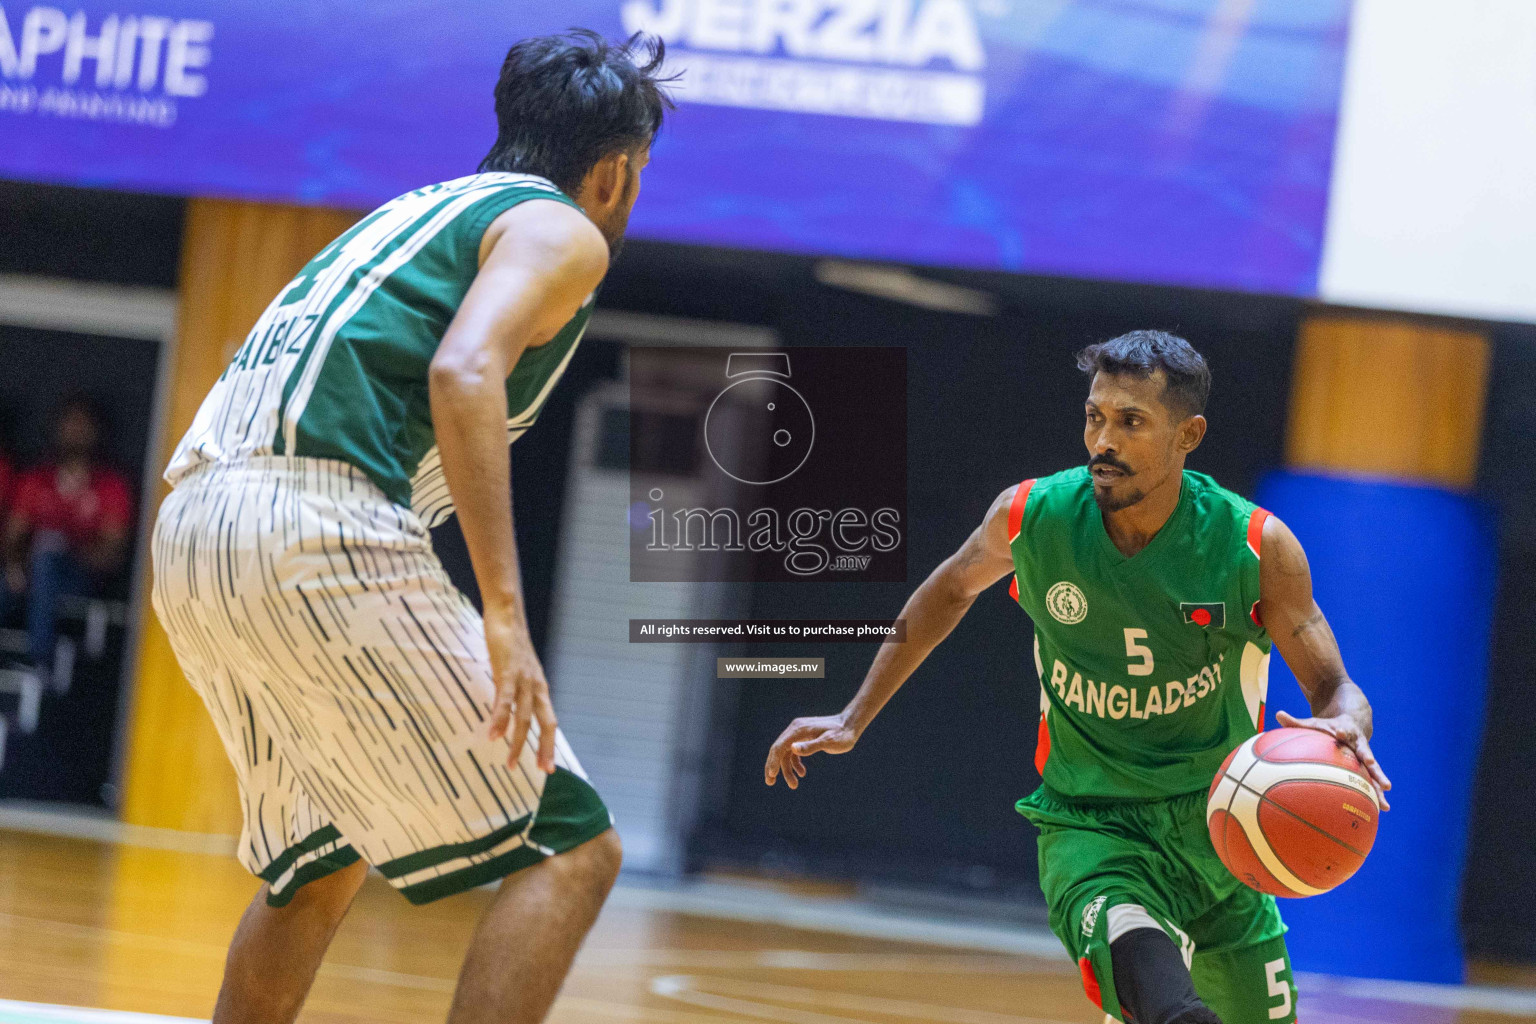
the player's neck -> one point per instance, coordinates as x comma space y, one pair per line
1132, 528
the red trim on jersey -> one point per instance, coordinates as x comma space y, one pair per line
1042, 745
1256, 530
1016, 510
1013, 587
1261, 716
1255, 544
1091, 983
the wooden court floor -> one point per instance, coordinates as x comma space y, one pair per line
89, 924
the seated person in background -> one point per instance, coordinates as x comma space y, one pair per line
67, 529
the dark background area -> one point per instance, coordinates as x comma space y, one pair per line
1498, 900
991, 401
90, 235
69, 757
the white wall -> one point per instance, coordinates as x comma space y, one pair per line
1434, 187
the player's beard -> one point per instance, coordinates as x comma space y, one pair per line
613, 231
1114, 502
615, 246
1122, 496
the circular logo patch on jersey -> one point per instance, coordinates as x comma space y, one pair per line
1066, 603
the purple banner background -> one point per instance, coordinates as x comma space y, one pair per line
1169, 141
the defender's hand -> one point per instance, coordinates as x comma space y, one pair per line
1347, 732
827, 733
522, 692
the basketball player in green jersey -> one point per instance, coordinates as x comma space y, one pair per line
1154, 594
372, 715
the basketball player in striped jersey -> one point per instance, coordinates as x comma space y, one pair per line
1154, 594
372, 716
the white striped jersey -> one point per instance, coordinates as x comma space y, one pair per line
337, 365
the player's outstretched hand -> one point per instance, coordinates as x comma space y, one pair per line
1347, 732
522, 692
826, 733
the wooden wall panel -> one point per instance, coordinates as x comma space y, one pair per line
1379, 397
235, 258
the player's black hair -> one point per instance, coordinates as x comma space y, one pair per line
1143, 353
564, 102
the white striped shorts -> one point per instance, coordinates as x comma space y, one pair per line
349, 681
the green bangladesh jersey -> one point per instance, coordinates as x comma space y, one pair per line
1154, 667
336, 367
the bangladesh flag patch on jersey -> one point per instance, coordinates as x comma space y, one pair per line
1204, 614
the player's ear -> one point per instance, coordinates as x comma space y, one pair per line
1191, 433
608, 180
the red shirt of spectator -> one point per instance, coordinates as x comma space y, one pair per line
79, 506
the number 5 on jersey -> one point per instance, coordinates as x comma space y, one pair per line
1139, 654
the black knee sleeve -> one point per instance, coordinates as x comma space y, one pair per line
1152, 983
1199, 1015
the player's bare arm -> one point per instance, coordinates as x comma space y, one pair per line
1306, 642
540, 262
931, 613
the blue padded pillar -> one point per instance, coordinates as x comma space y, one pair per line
1405, 574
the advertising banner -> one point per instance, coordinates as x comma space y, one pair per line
1172, 141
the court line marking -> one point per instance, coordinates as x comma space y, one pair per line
808, 960
749, 904
654, 1015
1509, 1002
1487, 999
589, 958
745, 1001
12, 1012
50, 820
846, 917
724, 901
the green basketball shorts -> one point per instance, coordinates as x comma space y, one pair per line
1108, 869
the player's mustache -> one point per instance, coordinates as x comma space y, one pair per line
1111, 462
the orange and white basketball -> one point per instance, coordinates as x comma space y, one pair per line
1292, 813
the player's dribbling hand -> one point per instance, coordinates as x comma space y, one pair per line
1348, 733
522, 692
804, 736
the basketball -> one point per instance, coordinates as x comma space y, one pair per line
1292, 813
